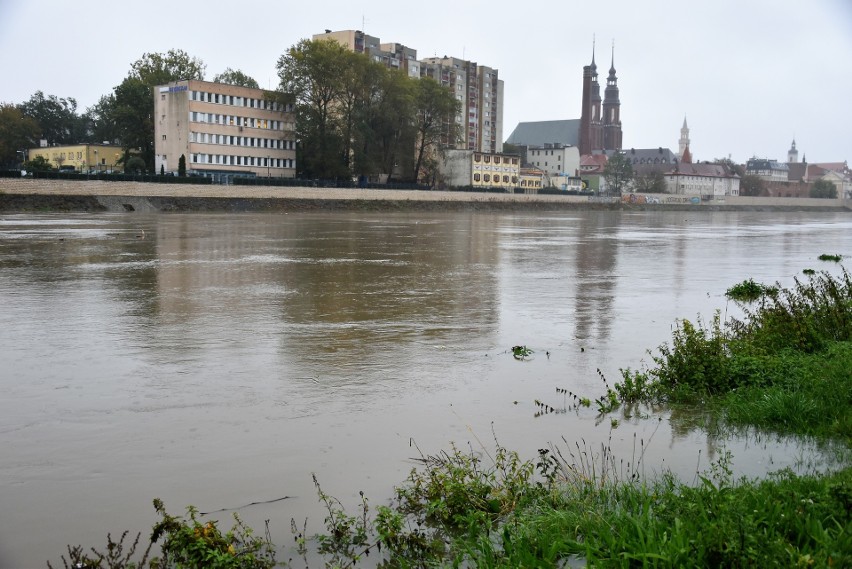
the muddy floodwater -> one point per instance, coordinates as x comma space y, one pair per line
219, 360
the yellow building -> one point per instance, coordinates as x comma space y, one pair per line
83, 158
461, 168
531, 180
223, 131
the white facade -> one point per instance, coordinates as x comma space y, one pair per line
555, 160
698, 183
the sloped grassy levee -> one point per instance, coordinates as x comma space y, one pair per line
786, 367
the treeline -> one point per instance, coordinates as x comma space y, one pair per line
354, 117
357, 118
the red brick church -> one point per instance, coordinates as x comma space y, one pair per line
600, 130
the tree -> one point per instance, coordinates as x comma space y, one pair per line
17, 133
618, 172
389, 129
134, 164
312, 72
752, 185
235, 77
57, 118
134, 118
436, 108
653, 182
101, 121
735, 168
132, 109
158, 68
182, 166
38, 164
824, 189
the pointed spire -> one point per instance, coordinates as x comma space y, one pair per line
593, 53
612, 65
687, 156
684, 122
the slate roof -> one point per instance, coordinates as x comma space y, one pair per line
539, 133
646, 155
704, 169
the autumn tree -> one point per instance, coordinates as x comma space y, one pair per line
56, 117
101, 120
17, 133
133, 100
435, 125
160, 68
133, 114
618, 172
390, 127
735, 168
824, 189
752, 185
653, 182
235, 77
312, 72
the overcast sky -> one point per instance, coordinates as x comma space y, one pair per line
749, 75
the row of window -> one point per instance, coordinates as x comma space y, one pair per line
495, 178
232, 120
216, 98
61, 156
209, 138
497, 159
260, 161
649, 161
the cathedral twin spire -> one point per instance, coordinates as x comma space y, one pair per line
600, 122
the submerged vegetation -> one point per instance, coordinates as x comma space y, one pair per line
784, 367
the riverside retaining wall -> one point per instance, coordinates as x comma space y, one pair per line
96, 195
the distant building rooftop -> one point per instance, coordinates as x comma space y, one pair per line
540, 133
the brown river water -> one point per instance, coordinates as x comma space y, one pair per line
220, 360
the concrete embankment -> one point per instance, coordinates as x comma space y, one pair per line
95, 195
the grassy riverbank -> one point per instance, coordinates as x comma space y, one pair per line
786, 367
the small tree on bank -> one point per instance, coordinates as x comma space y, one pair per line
618, 173
182, 166
824, 189
751, 185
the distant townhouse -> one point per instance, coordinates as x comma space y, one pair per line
702, 180
462, 168
555, 159
769, 170
532, 179
223, 131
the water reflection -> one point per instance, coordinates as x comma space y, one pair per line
222, 358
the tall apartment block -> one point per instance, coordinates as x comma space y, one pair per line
480, 91
392, 55
223, 130
477, 87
